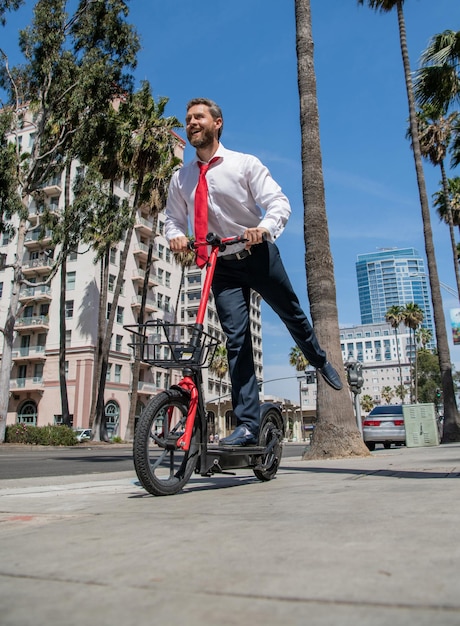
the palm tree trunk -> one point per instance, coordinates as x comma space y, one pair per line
399, 357
65, 413
62, 347
336, 432
451, 417
140, 320
8, 330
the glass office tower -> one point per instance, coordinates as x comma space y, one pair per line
392, 276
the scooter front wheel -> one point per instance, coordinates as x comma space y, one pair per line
270, 437
162, 468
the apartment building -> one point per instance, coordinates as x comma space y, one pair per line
377, 347
35, 396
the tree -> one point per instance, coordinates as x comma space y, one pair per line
452, 421
443, 203
367, 404
435, 131
412, 316
437, 82
394, 317
147, 155
297, 359
336, 432
73, 68
401, 392
300, 362
387, 394
219, 367
423, 336
429, 376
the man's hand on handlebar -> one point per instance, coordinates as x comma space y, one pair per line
255, 236
179, 244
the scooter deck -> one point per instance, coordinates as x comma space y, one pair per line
244, 450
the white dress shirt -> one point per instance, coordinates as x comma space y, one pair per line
241, 192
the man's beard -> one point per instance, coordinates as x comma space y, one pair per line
206, 138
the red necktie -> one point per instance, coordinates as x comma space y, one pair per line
201, 212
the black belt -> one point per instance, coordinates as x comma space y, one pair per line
237, 256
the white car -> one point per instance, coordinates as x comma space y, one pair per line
83, 434
385, 425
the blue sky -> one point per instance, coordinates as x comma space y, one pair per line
242, 54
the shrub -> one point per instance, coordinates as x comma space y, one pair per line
41, 435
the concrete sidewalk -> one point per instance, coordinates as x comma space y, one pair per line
368, 542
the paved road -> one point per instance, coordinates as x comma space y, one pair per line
351, 542
29, 461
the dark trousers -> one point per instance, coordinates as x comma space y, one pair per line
263, 271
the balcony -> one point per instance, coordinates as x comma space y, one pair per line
150, 304
36, 239
38, 266
141, 250
30, 353
34, 383
35, 294
146, 388
38, 322
138, 275
52, 187
143, 226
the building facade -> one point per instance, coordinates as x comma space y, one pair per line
386, 357
392, 277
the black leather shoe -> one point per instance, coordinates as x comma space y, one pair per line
330, 376
241, 436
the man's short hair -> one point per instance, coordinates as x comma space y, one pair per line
214, 109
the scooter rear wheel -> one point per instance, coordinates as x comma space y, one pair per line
271, 432
162, 468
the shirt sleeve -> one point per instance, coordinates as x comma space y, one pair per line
269, 197
176, 222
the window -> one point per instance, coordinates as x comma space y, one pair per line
1, 290
28, 413
118, 373
69, 309
120, 313
167, 279
119, 343
112, 279
109, 371
68, 338
70, 281
113, 256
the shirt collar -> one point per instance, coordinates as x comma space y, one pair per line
220, 152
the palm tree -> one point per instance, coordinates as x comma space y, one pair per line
298, 360
394, 317
435, 131
387, 393
423, 336
452, 419
219, 367
336, 432
400, 391
443, 203
437, 82
367, 404
412, 316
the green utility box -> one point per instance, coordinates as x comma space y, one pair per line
421, 424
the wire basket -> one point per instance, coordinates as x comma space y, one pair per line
172, 345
